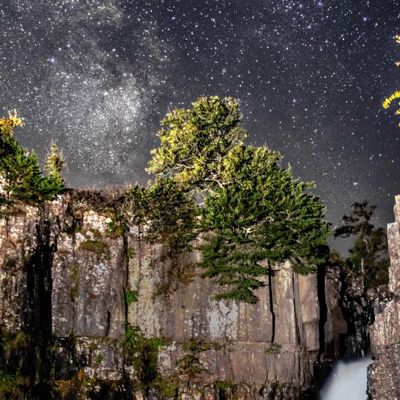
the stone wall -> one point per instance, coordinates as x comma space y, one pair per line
177, 325
384, 372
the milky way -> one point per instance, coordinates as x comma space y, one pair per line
97, 76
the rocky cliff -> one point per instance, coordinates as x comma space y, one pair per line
384, 372
91, 311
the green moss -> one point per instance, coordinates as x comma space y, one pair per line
142, 353
8, 384
11, 342
98, 247
190, 364
116, 229
226, 389
12, 386
130, 252
131, 296
167, 386
274, 348
99, 359
132, 338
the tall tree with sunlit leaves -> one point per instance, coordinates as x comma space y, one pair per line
254, 210
22, 178
194, 142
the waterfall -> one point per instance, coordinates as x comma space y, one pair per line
348, 381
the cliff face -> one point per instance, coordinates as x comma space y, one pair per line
88, 311
384, 373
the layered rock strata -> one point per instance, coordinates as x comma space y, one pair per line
87, 311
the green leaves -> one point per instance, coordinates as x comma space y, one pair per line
253, 209
261, 213
193, 141
368, 257
131, 296
55, 163
167, 211
20, 170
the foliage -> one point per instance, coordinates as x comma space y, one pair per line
388, 101
13, 351
20, 170
142, 353
261, 213
8, 124
131, 296
226, 390
253, 209
55, 163
193, 141
168, 213
8, 385
116, 228
14, 342
99, 358
130, 252
132, 337
190, 364
369, 255
275, 348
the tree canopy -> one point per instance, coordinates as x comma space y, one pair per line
250, 210
254, 210
368, 257
194, 141
20, 171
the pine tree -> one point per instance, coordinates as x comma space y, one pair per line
194, 141
20, 170
55, 163
254, 211
262, 213
368, 257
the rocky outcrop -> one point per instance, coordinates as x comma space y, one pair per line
91, 311
384, 372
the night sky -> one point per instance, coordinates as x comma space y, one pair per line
97, 76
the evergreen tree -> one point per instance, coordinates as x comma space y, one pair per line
55, 163
168, 213
20, 170
194, 141
368, 257
261, 213
254, 211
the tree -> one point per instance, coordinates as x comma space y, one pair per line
262, 213
368, 257
168, 213
55, 163
20, 170
194, 141
253, 209
396, 94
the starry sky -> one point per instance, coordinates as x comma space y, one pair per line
97, 76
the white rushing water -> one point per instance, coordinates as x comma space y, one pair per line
348, 381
